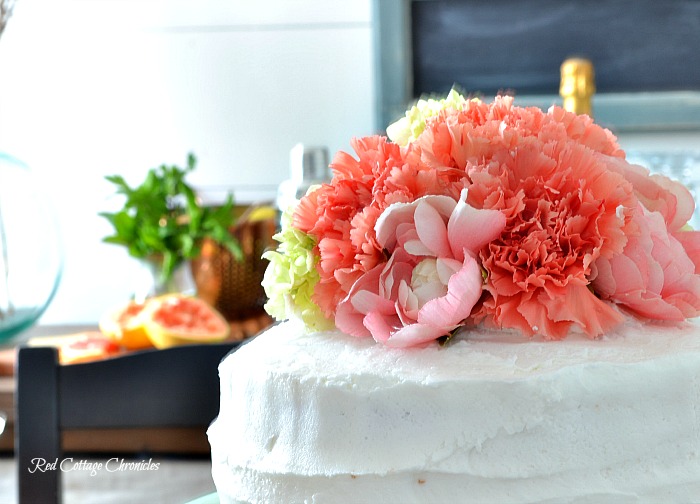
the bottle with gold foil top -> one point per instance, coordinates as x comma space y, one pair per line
577, 85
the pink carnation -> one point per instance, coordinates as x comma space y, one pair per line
328, 213
432, 278
341, 215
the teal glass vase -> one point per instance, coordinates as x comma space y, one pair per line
31, 259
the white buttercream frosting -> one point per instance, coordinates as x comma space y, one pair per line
492, 417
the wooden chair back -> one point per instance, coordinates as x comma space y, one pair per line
176, 387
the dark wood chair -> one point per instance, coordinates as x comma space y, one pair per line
177, 387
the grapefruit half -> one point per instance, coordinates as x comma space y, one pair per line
87, 347
124, 326
175, 319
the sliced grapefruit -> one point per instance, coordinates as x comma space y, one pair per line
173, 320
124, 326
87, 347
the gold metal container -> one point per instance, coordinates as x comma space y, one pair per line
234, 287
577, 85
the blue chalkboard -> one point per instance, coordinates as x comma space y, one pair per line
489, 46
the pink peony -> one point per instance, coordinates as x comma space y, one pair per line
670, 198
432, 279
657, 193
653, 277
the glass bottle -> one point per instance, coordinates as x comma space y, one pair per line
309, 166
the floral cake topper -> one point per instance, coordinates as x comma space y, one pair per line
486, 213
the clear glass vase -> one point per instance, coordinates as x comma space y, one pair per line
31, 258
149, 281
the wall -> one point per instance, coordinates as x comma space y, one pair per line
90, 88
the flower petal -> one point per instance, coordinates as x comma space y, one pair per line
378, 327
347, 318
576, 303
365, 301
398, 213
657, 192
418, 248
431, 229
470, 229
414, 335
691, 243
447, 267
463, 291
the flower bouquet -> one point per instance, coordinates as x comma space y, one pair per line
473, 213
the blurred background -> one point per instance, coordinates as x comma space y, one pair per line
90, 88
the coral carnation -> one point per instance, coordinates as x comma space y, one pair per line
341, 215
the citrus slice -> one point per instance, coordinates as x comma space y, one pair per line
87, 347
174, 319
124, 326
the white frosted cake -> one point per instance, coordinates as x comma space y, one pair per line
490, 305
327, 418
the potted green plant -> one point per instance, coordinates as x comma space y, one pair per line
163, 223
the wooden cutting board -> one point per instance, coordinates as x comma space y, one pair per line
7, 361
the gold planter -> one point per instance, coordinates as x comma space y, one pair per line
234, 287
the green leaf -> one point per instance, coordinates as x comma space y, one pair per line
191, 161
118, 180
170, 262
235, 248
186, 245
115, 240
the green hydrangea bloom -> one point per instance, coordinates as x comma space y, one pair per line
408, 128
291, 276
